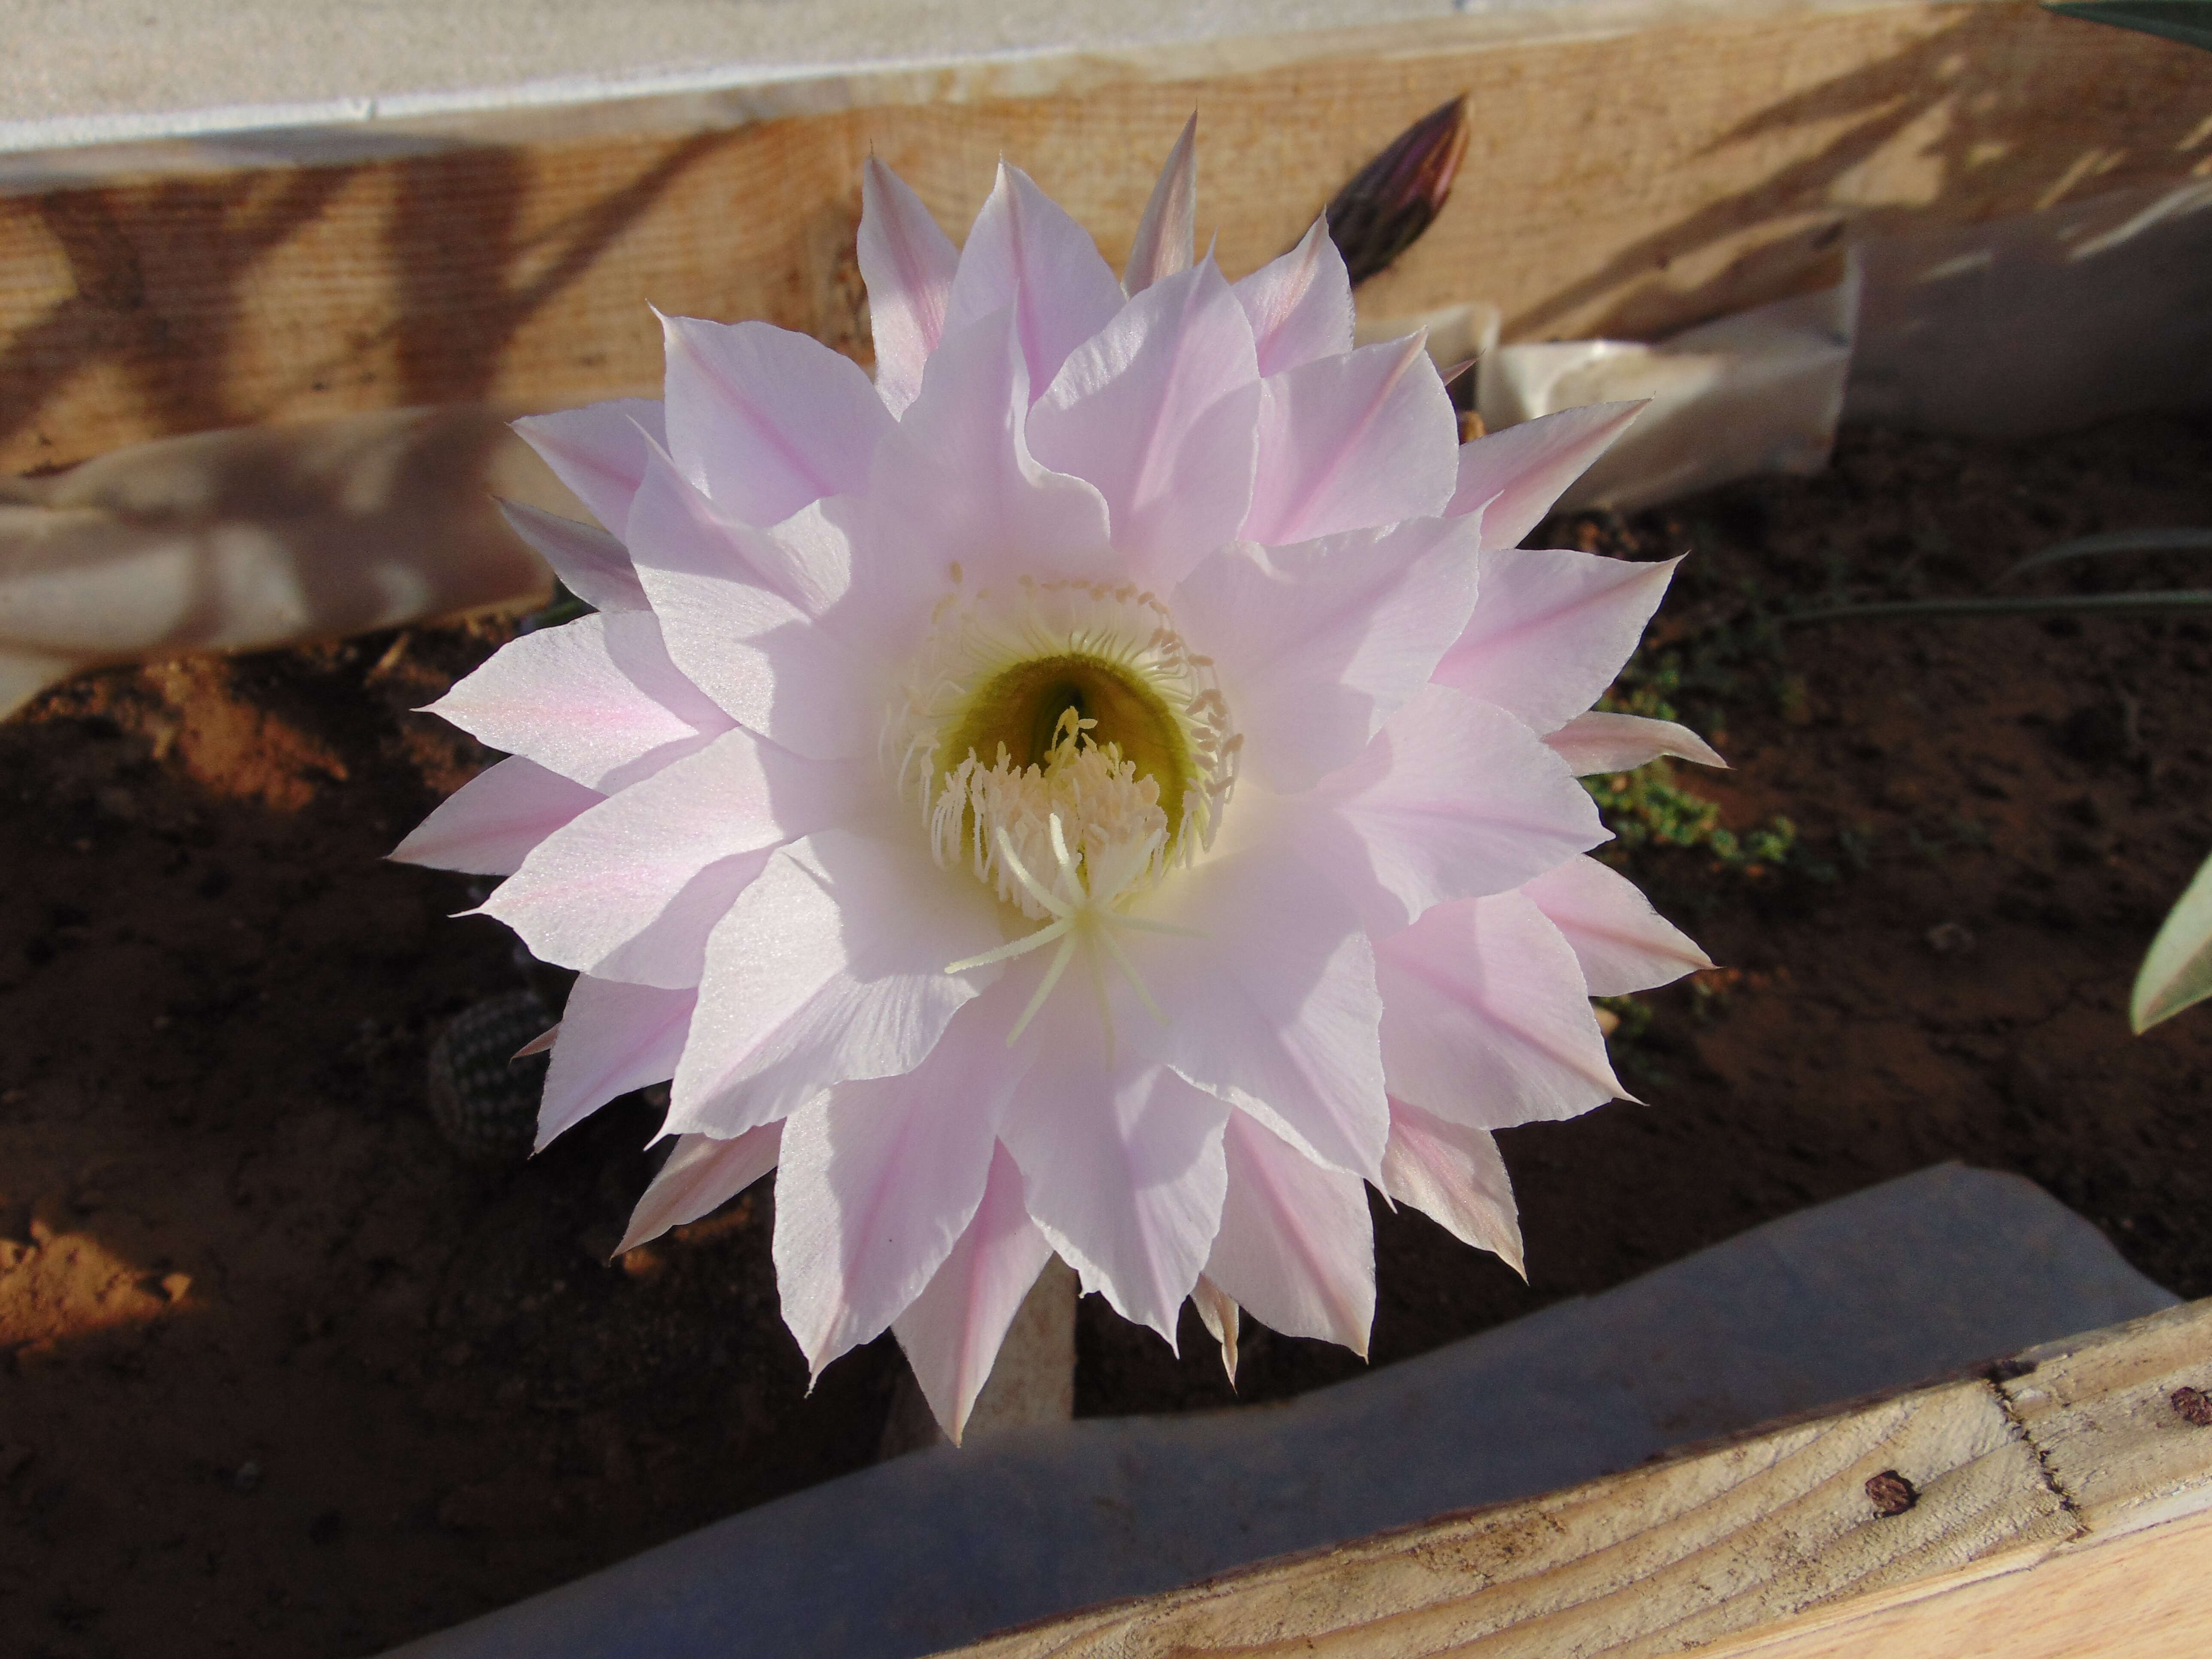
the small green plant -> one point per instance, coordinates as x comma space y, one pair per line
1653, 806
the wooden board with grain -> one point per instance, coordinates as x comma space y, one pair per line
2062, 1506
1664, 165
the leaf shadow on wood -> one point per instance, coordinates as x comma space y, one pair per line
1972, 91
156, 273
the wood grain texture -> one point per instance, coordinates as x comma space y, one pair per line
1627, 184
2067, 1504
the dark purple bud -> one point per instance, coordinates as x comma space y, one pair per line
1398, 195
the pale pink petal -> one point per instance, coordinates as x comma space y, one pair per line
613, 1038
671, 950
1120, 1160
1167, 234
830, 968
1595, 742
591, 564
1300, 304
675, 848
1512, 477
879, 1178
765, 421
1219, 1312
599, 451
1622, 944
700, 1176
1157, 409
1347, 442
1550, 628
1296, 1246
1317, 644
956, 486
1454, 799
752, 648
488, 826
1485, 1018
952, 1330
596, 700
908, 264
1453, 1174
1272, 1007
1025, 252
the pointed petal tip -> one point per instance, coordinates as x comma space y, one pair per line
536, 1045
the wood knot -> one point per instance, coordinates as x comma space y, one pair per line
2192, 1405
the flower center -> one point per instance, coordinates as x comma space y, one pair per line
1067, 704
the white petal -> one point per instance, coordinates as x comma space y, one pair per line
1353, 441
700, 1176
1273, 1006
1512, 478
1025, 252
1595, 742
1453, 1174
1550, 628
591, 564
830, 968
738, 632
599, 451
1300, 304
1157, 411
613, 1038
594, 887
488, 826
1167, 234
1317, 644
879, 1178
1486, 1019
1622, 944
957, 485
763, 421
1454, 799
596, 700
908, 264
952, 1330
1296, 1246
1121, 1164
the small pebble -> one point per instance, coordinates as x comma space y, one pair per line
1950, 939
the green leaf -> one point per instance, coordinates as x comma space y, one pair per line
2178, 972
2189, 21
2188, 539
2159, 602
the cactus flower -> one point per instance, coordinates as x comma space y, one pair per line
1106, 786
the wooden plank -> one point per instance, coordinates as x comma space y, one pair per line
2067, 1506
2130, 1598
1626, 181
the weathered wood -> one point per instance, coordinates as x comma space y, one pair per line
1643, 175
2067, 1507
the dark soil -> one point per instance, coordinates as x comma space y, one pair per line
280, 1374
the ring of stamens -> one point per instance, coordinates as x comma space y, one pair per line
1068, 698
